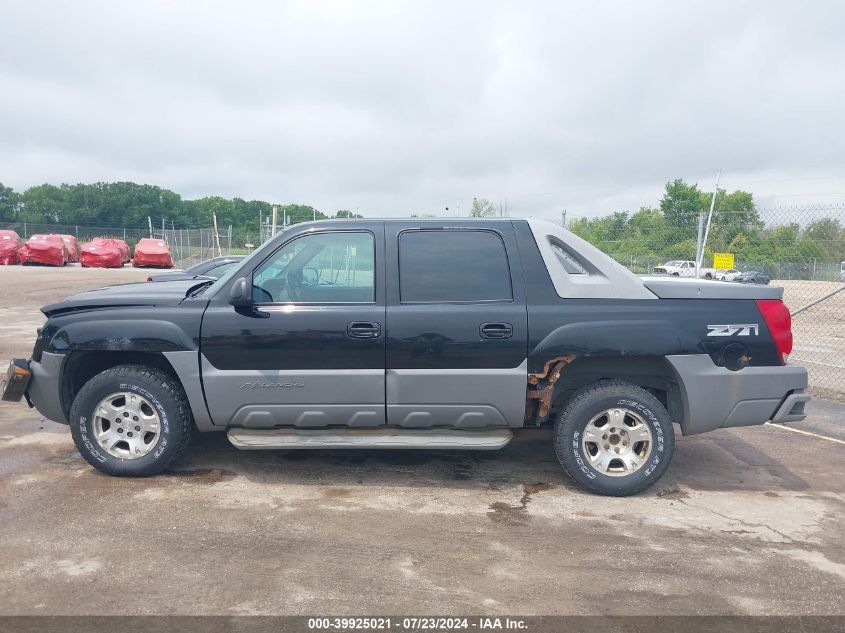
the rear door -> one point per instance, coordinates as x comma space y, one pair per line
310, 351
457, 326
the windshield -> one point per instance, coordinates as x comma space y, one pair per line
257, 254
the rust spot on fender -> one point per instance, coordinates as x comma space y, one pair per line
544, 382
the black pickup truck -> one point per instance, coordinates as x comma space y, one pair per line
433, 334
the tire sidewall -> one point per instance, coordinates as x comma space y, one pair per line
571, 450
82, 424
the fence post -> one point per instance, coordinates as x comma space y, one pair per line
24, 230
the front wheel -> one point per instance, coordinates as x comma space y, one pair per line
131, 420
614, 438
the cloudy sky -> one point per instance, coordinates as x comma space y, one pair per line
408, 107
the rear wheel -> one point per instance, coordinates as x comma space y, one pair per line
131, 420
614, 438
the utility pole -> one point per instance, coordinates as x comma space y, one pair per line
703, 240
273, 226
563, 218
216, 235
150, 222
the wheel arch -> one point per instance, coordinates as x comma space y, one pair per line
82, 365
652, 373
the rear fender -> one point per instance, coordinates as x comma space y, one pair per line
614, 338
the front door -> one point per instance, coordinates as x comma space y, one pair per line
457, 326
310, 352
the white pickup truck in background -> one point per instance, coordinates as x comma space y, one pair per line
684, 268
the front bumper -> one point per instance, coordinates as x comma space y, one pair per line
43, 388
14, 386
715, 397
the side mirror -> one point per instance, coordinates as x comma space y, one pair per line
240, 294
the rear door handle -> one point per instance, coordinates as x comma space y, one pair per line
496, 330
363, 329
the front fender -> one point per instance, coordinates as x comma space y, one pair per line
125, 335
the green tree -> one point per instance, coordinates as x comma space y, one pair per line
681, 205
9, 204
733, 213
830, 235
482, 208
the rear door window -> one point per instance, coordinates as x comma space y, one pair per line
448, 266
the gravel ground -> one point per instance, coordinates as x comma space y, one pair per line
746, 521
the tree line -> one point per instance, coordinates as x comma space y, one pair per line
665, 231
669, 231
128, 204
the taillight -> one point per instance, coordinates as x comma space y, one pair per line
777, 318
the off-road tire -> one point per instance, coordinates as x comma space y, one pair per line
167, 399
589, 402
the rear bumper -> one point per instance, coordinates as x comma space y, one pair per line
715, 397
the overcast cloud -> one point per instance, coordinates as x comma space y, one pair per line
397, 108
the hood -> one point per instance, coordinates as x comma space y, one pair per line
168, 293
179, 276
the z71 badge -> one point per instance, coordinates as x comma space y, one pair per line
737, 329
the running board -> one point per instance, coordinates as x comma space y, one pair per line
250, 439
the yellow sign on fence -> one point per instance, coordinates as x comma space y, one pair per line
723, 261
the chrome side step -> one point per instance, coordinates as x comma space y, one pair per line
252, 439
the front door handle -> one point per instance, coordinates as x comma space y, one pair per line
496, 330
363, 329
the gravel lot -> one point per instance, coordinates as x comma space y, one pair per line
748, 521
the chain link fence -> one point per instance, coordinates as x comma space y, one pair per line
82, 233
801, 249
191, 246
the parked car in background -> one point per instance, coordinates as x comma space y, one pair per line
727, 275
751, 277
72, 247
47, 250
684, 268
152, 253
10, 243
102, 252
209, 269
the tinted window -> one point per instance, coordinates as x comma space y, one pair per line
333, 267
438, 266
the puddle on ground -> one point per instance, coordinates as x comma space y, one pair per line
203, 475
502, 512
